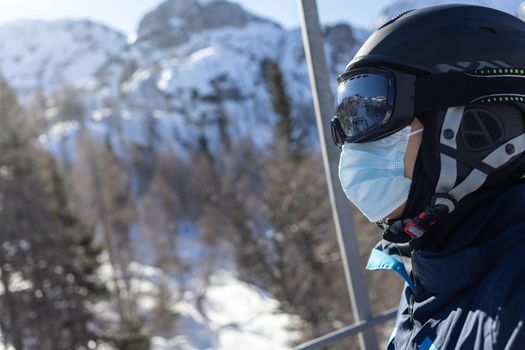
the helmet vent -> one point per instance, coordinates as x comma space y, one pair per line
480, 130
487, 30
398, 16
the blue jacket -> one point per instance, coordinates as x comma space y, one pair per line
470, 295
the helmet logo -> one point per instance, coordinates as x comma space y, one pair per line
470, 66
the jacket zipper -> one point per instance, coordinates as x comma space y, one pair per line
412, 295
411, 317
411, 309
411, 302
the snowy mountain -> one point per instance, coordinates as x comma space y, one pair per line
47, 56
189, 71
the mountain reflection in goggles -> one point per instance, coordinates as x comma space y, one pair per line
363, 102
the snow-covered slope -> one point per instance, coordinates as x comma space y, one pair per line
231, 315
237, 316
47, 56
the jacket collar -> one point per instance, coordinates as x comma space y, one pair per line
494, 229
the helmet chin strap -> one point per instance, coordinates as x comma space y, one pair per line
448, 194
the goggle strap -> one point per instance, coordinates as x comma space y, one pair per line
440, 91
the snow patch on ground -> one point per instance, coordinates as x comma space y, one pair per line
236, 316
226, 314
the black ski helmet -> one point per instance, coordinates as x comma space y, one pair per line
446, 38
467, 146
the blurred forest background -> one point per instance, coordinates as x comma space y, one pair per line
165, 190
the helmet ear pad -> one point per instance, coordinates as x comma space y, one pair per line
483, 129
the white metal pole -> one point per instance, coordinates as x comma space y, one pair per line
322, 99
347, 331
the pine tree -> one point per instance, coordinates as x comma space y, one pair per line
103, 187
289, 132
48, 262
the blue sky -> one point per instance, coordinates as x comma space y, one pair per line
125, 14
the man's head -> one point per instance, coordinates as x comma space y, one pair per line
459, 72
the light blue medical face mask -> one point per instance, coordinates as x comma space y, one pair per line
372, 174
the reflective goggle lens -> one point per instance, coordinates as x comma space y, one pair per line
363, 102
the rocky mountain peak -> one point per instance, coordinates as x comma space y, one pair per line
173, 21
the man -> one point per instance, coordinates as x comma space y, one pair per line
430, 119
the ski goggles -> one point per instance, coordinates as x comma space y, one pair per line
372, 103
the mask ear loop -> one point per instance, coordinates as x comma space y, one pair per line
415, 132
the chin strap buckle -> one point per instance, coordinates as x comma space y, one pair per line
419, 225
402, 231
